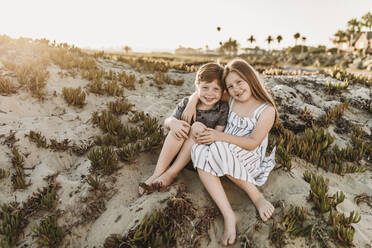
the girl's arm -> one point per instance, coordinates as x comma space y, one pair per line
220, 128
264, 124
189, 113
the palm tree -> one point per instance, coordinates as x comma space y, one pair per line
296, 36
354, 28
251, 39
269, 39
340, 37
279, 38
127, 49
303, 42
367, 21
354, 25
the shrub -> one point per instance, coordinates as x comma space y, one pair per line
97, 87
48, 232
298, 49
112, 88
103, 159
162, 78
120, 107
6, 86
74, 97
13, 221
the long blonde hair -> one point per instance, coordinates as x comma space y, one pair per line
248, 74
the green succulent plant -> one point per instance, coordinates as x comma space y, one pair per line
112, 88
4, 173
48, 232
336, 88
103, 159
12, 222
75, 97
37, 138
283, 157
120, 107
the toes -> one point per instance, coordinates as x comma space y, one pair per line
141, 190
223, 242
231, 240
263, 217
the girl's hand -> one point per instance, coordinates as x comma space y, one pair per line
208, 136
180, 129
189, 113
197, 128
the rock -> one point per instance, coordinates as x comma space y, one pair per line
366, 63
357, 64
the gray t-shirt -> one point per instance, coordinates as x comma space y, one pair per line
216, 116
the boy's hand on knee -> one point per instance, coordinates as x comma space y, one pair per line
180, 129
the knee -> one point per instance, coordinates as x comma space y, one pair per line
196, 128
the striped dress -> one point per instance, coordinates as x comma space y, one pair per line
221, 158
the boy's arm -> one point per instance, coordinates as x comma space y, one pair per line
189, 112
180, 128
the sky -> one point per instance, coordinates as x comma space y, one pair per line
164, 25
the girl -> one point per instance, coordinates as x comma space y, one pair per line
239, 151
211, 113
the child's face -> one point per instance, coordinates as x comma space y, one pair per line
209, 93
237, 87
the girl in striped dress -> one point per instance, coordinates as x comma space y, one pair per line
239, 151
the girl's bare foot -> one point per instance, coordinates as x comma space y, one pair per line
229, 235
149, 181
265, 208
165, 179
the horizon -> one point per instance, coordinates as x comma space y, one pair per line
149, 26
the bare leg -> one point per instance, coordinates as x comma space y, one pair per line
265, 208
170, 148
184, 156
215, 189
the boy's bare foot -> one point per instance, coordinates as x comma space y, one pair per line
265, 208
165, 179
229, 234
149, 181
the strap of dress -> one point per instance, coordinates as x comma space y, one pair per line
259, 110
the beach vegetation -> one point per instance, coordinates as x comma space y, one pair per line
75, 97
103, 160
120, 106
48, 232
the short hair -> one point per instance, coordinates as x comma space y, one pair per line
210, 72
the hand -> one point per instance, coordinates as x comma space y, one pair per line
189, 113
208, 136
180, 129
197, 128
